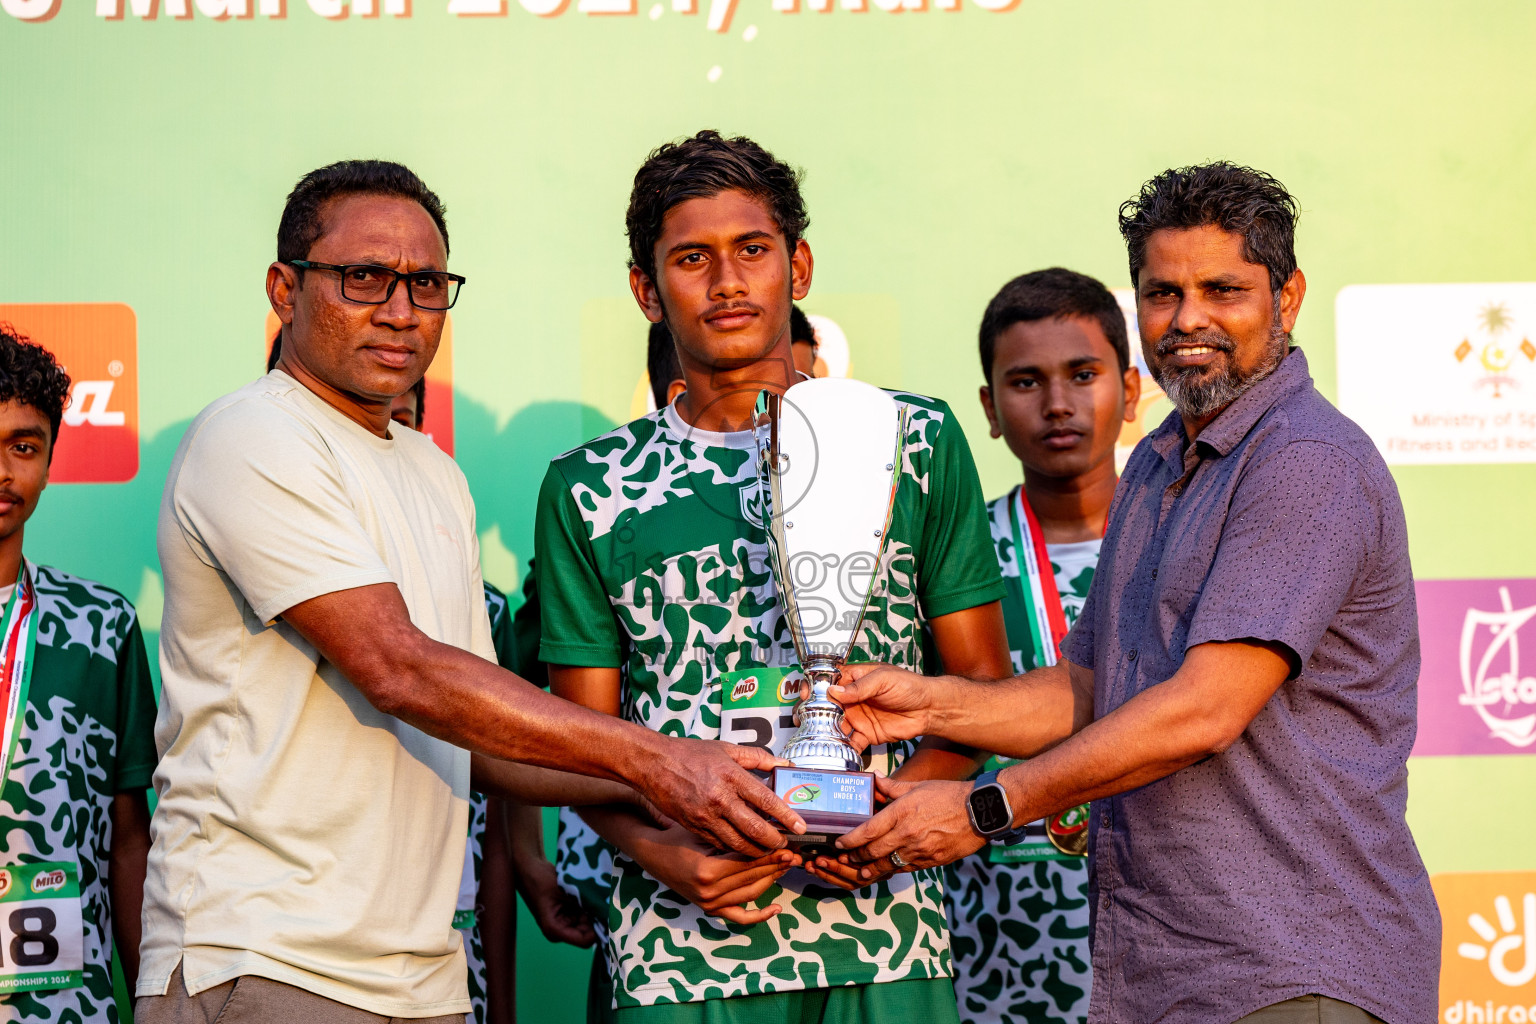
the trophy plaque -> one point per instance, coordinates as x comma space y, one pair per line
830, 454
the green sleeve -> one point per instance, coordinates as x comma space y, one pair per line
957, 564
136, 754
576, 622
525, 631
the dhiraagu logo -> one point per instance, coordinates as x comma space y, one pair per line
805, 793
1488, 951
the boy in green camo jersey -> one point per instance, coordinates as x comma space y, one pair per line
505, 849
1059, 384
658, 603
79, 743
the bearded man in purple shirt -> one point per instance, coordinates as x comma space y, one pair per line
1238, 697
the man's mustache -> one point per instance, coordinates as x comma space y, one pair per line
1212, 336
11, 496
733, 307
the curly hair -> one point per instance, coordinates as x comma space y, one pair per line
30, 375
703, 166
1234, 198
300, 226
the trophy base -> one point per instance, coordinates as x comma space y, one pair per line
831, 802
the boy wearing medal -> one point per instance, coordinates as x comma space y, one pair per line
1060, 382
78, 744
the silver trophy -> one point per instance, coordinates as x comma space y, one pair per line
830, 453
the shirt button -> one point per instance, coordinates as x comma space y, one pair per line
1132, 655
1154, 574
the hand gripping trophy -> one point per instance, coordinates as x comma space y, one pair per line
830, 453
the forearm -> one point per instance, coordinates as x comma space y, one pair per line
935, 758
623, 828
1163, 729
468, 701
544, 787
525, 833
474, 703
125, 878
1017, 717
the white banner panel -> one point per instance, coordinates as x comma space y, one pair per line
1440, 373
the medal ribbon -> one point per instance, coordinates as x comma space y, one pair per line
18, 645
1047, 620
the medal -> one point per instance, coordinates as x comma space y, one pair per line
1067, 831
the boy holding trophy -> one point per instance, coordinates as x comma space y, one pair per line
1057, 363
662, 604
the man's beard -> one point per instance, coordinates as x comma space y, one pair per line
1199, 391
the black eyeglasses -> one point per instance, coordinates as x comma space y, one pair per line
373, 284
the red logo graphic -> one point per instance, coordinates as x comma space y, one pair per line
97, 344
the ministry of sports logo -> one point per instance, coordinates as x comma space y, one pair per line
1476, 694
1497, 353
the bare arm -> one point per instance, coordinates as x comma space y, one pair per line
474, 703
557, 913
125, 877
719, 883
972, 643
1018, 717
544, 787
1201, 710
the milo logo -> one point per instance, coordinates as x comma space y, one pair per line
49, 880
744, 688
805, 793
789, 689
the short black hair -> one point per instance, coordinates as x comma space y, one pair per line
661, 362
300, 227
703, 166
1234, 198
1046, 295
30, 375
800, 328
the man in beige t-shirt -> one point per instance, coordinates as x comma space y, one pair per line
327, 663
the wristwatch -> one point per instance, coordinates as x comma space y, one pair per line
989, 810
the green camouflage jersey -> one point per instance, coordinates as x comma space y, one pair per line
1019, 932
474, 859
653, 560
87, 735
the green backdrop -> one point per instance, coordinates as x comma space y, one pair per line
145, 162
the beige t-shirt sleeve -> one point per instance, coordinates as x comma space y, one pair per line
260, 499
481, 641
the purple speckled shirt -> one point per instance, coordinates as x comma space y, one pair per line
1284, 865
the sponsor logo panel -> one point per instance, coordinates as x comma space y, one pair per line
97, 344
1477, 694
1440, 373
1488, 947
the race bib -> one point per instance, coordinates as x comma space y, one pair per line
757, 709
757, 706
1070, 828
42, 933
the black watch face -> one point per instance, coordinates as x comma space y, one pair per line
990, 809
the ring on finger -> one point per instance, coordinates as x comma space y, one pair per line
896, 861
